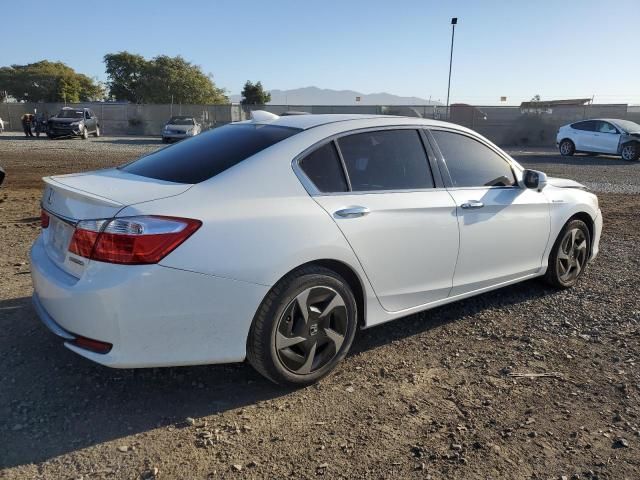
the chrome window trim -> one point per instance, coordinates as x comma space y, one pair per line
313, 191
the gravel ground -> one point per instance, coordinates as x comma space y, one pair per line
430, 396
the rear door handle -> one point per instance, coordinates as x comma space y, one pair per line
353, 212
472, 204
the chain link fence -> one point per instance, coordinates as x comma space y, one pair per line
501, 124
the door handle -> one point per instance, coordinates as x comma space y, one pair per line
472, 204
353, 212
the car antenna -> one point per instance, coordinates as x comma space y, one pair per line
263, 116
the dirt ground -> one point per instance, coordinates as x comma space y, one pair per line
430, 396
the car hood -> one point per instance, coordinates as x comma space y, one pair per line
65, 120
564, 183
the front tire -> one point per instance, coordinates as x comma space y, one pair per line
303, 328
85, 133
567, 148
569, 255
630, 152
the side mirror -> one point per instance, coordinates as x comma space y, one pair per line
1, 175
534, 179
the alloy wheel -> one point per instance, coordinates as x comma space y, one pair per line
565, 148
572, 255
628, 152
311, 330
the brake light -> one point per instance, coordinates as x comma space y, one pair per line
131, 240
44, 219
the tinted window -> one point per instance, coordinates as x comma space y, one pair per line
206, 155
386, 160
588, 126
472, 164
324, 169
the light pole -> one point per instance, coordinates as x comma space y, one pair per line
454, 22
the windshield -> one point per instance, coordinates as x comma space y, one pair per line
181, 121
70, 114
628, 126
206, 155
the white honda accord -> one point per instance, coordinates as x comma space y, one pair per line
275, 239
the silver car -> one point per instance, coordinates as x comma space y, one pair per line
180, 127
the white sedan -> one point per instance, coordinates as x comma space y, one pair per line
605, 135
275, 239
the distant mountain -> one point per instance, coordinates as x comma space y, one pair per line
326, 96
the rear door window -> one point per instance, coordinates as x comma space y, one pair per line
386, 160
208, 154
324, 169
587, 126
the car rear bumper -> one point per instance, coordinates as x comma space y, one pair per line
152, 315
176, 136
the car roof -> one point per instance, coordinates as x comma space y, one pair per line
305, 122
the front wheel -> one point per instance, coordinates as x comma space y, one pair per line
85, 133
630, 152
569, 255
303, 328
567, 148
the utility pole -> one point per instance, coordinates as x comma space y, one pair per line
454, 22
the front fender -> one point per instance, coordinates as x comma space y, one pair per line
566, 203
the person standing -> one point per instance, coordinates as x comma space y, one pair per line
27, 120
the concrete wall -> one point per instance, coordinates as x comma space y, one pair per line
127, 119
502, 125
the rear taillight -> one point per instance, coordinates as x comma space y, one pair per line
44, 219
131, 240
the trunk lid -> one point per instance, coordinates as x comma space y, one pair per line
89, 196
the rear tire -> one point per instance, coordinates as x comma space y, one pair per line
569, 255
303, 328
630, 152
567, 148
97, 132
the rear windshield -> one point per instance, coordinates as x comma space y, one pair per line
206, 155
181, 121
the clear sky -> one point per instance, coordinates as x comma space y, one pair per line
516, 48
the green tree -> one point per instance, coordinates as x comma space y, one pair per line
162, 79
125, 71
46, 81
254, 94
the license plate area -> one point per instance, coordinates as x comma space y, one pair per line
57, 239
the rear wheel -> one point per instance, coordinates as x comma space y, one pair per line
569, 255
630, 152
303, 328
567, 148
97, 132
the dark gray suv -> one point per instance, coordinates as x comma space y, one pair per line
74, 122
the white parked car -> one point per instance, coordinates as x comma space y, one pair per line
180, 127
605, 135
277, 238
